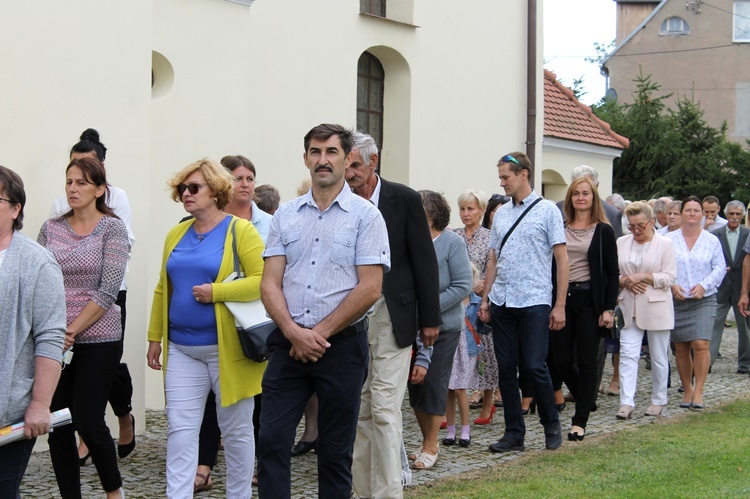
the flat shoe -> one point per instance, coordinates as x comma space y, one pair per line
464, 442
449, 441
206, 485
302, 447
575, 436
696, 407
625, 412
654, 410
125, 450
686, 405
425, 461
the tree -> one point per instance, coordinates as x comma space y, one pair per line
673, 152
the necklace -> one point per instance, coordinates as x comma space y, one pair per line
202, 236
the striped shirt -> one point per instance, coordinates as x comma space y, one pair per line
323, 250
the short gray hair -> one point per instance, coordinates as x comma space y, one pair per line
471, 195
585, 171
735, 204
660, 206
366, 146
618, 201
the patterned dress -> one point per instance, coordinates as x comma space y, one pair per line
478, 245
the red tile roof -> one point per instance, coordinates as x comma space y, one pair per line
566, 118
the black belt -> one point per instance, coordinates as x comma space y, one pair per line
355, 328
579, 286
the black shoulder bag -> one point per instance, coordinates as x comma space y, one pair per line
513, 227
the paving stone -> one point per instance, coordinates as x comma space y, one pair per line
144, 470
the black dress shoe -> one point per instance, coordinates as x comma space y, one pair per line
125, 450
464, 442
506, 445
302, 447
743, 370
449, 441
575, 436
82, 460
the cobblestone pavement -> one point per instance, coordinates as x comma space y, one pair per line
144, 475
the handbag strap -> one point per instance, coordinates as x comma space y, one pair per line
237, 268
512, 228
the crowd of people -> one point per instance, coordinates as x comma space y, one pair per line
373, 296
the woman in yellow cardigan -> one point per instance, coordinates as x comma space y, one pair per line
190, 320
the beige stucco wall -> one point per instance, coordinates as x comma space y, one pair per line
705, 66
252, 81
67, 66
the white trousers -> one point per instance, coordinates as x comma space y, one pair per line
630, 351
191, 373
376, 466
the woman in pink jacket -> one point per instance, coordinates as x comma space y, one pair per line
648, 270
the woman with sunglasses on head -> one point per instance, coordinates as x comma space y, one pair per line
91, 245
700, 271
647, 272
121, 396
242, 206
592, 296
197, 333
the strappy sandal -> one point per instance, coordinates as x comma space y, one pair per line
206, 485
425, 461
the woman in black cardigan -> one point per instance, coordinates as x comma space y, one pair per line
592, 296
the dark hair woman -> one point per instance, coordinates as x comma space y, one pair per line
32, 329
91, 245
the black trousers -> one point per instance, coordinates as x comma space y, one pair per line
84, 387
121, 394
14, 457
337, 378
576, 351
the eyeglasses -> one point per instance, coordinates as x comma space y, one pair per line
192, 188
640, 227
510, 159
7, 200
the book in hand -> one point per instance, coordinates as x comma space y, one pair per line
15, 431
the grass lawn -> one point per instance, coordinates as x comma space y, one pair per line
692, 455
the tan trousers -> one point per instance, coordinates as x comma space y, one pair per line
376, 468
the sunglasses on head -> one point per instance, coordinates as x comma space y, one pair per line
510, 159
500, 197
192, 188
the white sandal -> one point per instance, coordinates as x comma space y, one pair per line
426, 460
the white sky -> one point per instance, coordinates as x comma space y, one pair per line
571, 27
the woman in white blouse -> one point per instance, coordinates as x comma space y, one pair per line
700, 270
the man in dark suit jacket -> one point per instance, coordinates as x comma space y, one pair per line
410, 302
732, 237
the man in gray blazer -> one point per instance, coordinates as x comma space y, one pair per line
733, 237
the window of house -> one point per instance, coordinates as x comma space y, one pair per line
741, 20
374, 7
674, 26
370, 89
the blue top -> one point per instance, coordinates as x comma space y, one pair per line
262, 222
194, 261
524, 267
323, 250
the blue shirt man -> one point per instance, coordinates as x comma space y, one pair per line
325, 257
520, 297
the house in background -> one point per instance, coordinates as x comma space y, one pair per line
693, 49
573, 136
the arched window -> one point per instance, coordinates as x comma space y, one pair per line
370, 88
674, 26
